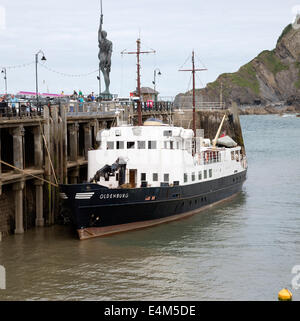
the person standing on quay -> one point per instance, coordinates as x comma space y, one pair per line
14, 101
81, 102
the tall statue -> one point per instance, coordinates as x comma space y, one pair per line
105, 51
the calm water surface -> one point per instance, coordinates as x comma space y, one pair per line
244, 249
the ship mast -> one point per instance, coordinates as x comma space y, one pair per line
193, 70
138, 52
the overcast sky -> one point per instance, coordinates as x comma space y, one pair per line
224, 34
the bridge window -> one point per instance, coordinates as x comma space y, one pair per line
210, 173
193, 177
200, 175
166, 178
141, 144
167, 133
155, 177
110, 145
168, 144
151, 144
130, 145
143, 176
120, 145
205, 174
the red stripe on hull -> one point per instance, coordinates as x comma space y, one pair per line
91, 232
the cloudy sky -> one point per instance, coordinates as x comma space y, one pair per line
224, 34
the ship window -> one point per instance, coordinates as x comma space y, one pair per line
205, 174
167, 133
200, 175
152, 144
130, 145
193, 177
110, 145
210, 173
232, 155
141, 144
185, 177
168, 145
143, 176
118, 132
117, 177
177, 145
166, 178
155, 177
120, 145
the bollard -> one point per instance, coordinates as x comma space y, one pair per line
285, 295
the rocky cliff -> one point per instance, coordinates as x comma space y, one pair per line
273, 76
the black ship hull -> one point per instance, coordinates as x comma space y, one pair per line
97, 211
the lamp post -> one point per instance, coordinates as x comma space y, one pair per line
5, 78
36, 74
154, 83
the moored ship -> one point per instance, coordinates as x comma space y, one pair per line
144, 175
141, 176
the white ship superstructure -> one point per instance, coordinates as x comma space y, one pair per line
159, 155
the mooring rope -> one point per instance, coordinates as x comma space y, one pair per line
45, 142
27, 173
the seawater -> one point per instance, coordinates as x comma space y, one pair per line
244, 249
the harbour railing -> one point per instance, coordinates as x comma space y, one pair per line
210, 105
31, 109
111, 107
186, 102
20, 110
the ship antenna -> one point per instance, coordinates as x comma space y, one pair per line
138, 52
193, 70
